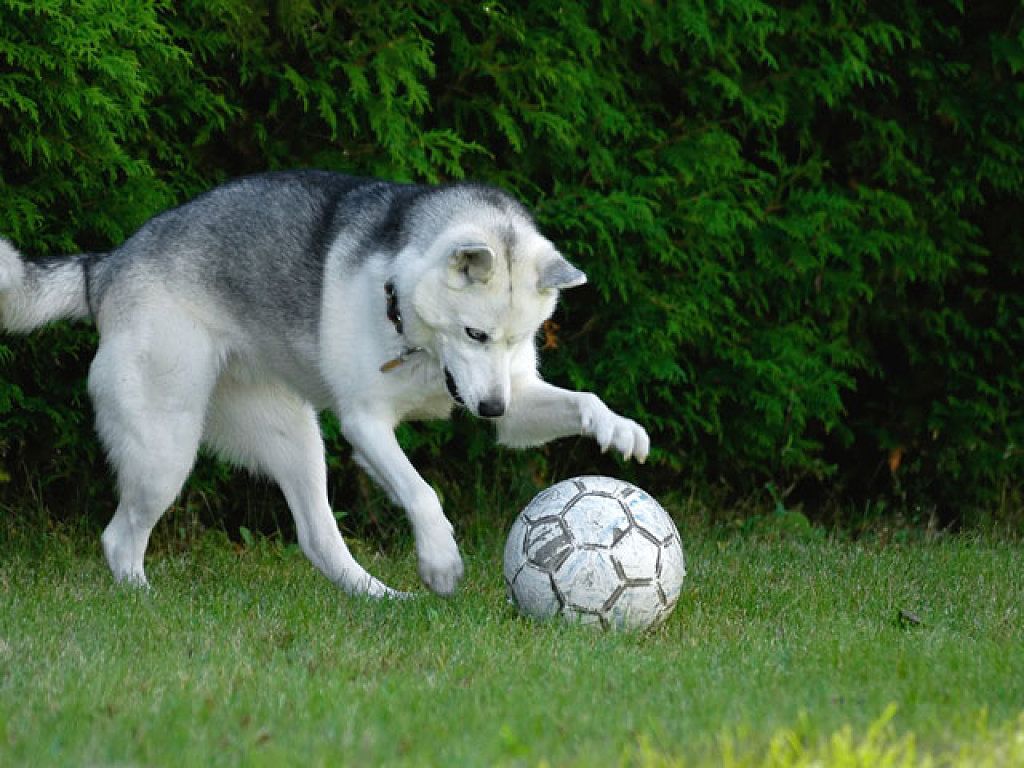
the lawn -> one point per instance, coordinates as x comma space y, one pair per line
786, 647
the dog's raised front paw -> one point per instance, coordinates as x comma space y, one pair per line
613, 431
440, 564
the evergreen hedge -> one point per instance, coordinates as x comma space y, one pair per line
800, 220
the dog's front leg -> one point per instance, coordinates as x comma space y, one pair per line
539, 412
377, 450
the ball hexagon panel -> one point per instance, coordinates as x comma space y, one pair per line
588, 580
672, 569
532, 586
596, 520
636, 556
597, 484
550, 500
649, 515
515, 547
639, 606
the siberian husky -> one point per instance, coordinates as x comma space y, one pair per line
233, 319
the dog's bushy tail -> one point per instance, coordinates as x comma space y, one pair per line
33, 294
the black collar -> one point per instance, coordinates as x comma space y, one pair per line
395, 316
394, 313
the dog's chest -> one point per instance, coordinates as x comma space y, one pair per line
416, 390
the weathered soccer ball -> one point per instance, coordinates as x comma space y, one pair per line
595, 550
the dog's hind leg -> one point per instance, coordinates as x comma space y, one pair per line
150, 384
265, 426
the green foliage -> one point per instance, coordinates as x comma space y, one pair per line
798, 219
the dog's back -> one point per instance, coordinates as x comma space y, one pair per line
257, 245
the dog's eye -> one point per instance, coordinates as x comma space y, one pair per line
477, 335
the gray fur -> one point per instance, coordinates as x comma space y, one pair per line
558, 274
276, 229
36, 293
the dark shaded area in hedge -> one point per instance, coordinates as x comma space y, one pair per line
801, 221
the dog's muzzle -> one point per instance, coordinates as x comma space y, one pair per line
488, 409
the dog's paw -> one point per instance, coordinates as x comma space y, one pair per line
132, 580
440, 564
613, 431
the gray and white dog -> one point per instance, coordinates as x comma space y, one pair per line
232, 319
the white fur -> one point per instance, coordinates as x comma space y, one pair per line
174, 368
27, 301
12, 269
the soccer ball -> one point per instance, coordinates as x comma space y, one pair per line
595, 550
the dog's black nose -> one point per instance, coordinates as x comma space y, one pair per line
491, 409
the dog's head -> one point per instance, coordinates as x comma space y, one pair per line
490, 280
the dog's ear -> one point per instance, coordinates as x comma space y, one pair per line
557, 274
473, 263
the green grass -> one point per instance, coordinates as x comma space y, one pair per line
245, 655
